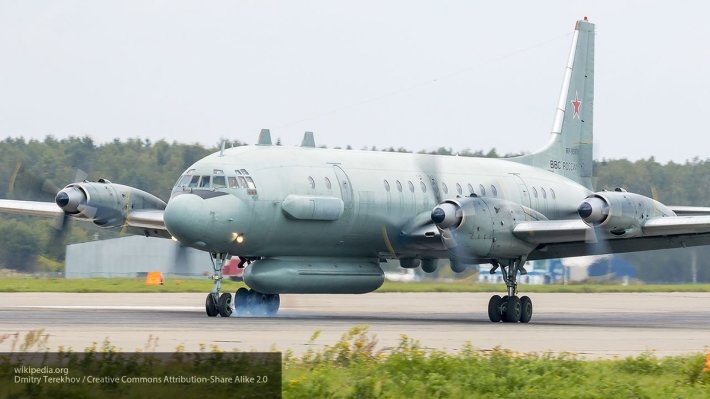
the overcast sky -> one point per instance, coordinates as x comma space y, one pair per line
461, 74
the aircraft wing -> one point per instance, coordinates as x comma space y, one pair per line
142, 219
690, 210
565, 238
32, 208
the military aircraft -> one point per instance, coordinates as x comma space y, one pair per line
310, 220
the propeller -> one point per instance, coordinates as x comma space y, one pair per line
446, 215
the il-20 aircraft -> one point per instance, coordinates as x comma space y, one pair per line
309, 220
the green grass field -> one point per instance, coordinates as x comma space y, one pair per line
26, 284
358, 367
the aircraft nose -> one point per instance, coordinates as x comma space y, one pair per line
186, 217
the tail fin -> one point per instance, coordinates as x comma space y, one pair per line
569, 151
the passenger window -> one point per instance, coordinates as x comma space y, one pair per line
387, 185
534, 190
542, 191
494, 191
458, 189
446, 188
483, 189
219, 182
311, 182
250, 183
470, 188
194, 181
327, 183
242, 181
399, 186
411, 186
423, 186
205, 182
232, 182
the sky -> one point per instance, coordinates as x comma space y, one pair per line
415, 74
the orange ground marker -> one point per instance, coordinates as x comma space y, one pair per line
154, 278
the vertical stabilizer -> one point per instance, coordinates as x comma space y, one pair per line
569, 151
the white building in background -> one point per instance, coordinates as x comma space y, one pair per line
134, 256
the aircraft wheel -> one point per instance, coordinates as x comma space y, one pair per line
494, 308
225, 305
211, 306
241, 301
512, 310
526, 309
273, 301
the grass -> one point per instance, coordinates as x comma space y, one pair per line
357, 367
28, 284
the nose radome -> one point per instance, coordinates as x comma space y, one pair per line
185, 217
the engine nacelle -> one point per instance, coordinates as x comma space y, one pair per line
314, 276
620, 213
483, 227
104, 203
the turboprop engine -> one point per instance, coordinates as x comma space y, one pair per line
620, 213
479, 228
104, 203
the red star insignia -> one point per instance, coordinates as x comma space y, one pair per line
576, 104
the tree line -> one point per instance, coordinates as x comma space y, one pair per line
37, 169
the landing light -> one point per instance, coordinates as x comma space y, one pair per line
173, 238
239, 238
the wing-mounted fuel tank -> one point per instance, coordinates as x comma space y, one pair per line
104, 203
314, 275
482, 228
620, 213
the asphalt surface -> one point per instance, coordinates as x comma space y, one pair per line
590, 325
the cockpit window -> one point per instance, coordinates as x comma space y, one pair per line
218, 171
242, 181
237, 171
194, 181
232, 182
205, 182
219, 182
183, 181
244, 171
250, 183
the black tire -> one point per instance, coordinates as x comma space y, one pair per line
273, 302
512, 310
526, 309
224, 306
241, 301
494, 308
211, 306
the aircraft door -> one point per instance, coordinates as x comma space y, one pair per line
346, 190
523, 189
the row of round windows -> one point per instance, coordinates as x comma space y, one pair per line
444, 188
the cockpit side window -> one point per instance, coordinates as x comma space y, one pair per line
205, 181
232, 182
194, 181
219, 182
250, 183
183, 181
242, 181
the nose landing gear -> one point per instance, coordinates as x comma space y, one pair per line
246, 301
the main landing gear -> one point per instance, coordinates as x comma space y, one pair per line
510, 308
246, 301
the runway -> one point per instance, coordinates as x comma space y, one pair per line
591, 325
